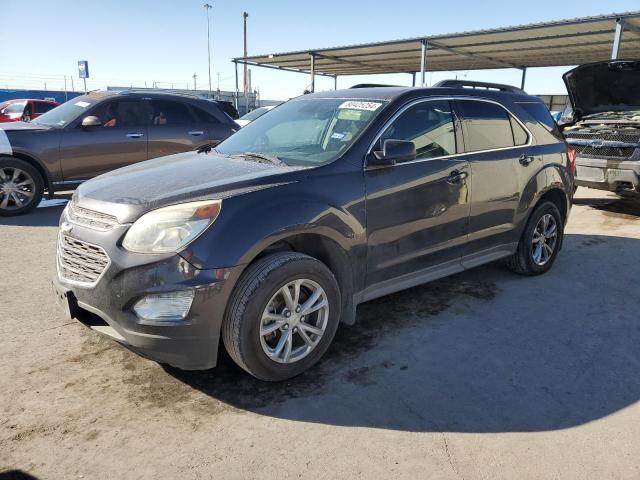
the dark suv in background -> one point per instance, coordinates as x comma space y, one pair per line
330, 200
98, 132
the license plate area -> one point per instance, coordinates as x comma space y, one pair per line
590, 174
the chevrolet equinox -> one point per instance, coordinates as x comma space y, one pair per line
329, 200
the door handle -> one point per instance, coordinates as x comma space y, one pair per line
525, 160
135, 135
196, 133
456, 177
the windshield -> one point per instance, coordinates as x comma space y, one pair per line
67, 112
305, 132
252, 115
15, 107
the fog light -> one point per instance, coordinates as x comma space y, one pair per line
165, 307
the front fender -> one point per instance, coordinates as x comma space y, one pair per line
249, 223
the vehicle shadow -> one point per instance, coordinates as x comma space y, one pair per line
47, 214
482, 351
620, 207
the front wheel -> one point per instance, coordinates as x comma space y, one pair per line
282, 316
540, 241
21, 187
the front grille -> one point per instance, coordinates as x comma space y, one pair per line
633, 137
80, 262
91, 218
611, 152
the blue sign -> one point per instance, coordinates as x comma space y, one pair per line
83, 69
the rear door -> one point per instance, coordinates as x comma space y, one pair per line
497, 149
175, 128
42, 107
121, 139
417, 211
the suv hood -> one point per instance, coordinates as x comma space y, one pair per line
130, 191
604, 87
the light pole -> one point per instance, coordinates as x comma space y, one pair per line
245, 15
207, 8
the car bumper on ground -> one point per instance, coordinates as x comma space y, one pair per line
190, 343
608, 174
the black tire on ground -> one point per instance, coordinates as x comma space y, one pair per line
255, 288
38, 182
521, 261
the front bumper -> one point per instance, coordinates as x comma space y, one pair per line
608, 174
190, 344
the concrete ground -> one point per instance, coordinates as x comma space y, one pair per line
481, 375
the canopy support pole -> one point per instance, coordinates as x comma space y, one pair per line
423, 64
313, 72
413, 79
335, 82
237, 84
524, 77
617, 38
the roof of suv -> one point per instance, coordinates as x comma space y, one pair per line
392, 93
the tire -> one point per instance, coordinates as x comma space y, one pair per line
29, 181
523, 261
259, 289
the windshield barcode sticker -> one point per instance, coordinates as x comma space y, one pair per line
356, 105
82, 104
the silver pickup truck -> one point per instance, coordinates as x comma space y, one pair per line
604, 128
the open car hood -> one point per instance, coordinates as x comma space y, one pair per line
604, 86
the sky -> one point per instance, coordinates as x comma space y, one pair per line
139, 42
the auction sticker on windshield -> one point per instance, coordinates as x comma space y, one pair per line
357, 105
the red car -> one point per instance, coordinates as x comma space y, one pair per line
23, 110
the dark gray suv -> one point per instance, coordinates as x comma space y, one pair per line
99, 132
272, 239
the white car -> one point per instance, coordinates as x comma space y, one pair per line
253, 114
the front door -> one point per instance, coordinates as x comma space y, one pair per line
120, 140
417, 211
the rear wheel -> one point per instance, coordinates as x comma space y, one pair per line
282, 316
540, 241
21, 186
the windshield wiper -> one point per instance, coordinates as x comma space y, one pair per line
261, 157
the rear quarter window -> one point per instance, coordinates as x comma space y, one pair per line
486, 125
541, 114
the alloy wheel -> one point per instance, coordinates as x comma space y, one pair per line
545, 238
17, 188
294, 321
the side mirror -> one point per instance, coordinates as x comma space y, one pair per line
393, 151
91, 121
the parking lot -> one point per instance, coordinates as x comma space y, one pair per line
483, 375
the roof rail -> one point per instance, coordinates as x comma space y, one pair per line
152, 91
485, 85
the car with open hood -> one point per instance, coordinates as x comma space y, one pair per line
604, 128
269, 241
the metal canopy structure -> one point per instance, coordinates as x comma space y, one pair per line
565, 42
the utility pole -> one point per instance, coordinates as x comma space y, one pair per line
207, 8
245, 15
195, 87
218, 81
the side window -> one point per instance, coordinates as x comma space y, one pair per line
170, 113
520, 135
121, 113
486, 125
43, 107
542, 115
429, 125
203, 117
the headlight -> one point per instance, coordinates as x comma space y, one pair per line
171, 228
